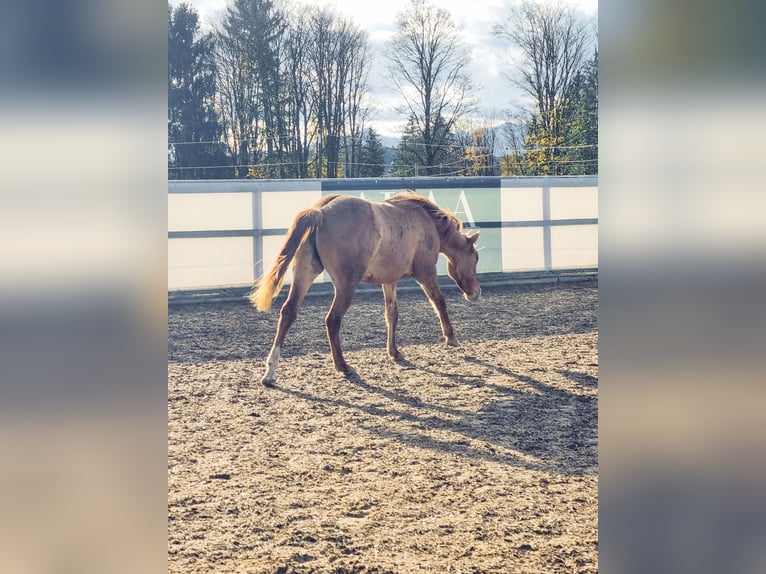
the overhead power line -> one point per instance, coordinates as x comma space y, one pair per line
411, 144
413, 167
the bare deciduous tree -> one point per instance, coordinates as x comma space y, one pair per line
301, 132
250, 82
514, 135
357, 110
338, 64
428, 66
291, 88
477, 141
237, 99
553, 40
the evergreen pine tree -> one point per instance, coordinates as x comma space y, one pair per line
193, 128
582, 135
373, 155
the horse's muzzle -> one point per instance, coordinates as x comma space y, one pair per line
474, 296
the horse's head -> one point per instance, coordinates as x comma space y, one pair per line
461, 265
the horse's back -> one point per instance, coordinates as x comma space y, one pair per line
376, 242
347, 219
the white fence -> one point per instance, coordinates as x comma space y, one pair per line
223, 233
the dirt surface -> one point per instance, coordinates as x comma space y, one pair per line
476, 459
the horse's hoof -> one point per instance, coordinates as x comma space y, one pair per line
343, 369
268, 381
452, 342
396, 357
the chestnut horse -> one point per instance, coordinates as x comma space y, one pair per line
374, 242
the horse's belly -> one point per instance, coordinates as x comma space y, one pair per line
387, 269
381, 276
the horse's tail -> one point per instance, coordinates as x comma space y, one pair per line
303, 229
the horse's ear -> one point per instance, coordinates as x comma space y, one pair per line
472, 238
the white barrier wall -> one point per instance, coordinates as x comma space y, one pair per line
223, 233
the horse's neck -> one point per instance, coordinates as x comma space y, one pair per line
448, 242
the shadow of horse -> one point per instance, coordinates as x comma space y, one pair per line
539, 428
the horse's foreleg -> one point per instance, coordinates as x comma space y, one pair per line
392, 316
305, 270
340, 304
431, 288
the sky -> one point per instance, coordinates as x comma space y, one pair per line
476, 17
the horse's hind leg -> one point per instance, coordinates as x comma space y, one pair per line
305, 269
344, 291
392, 316
430, 284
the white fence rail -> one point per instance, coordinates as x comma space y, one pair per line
223, 233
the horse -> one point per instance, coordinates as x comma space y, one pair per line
357, 240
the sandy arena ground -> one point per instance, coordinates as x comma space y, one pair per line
476, 459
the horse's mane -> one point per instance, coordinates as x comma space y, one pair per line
446, 223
